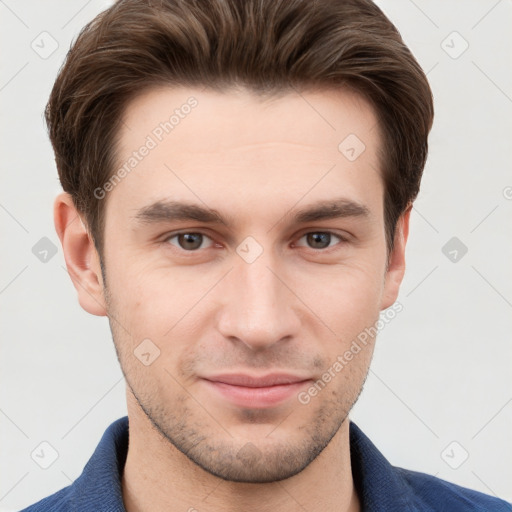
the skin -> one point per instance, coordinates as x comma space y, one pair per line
294, 309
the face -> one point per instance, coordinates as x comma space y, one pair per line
244, 253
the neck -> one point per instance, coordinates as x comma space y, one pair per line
157, 477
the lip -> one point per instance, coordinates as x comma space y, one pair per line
256, 391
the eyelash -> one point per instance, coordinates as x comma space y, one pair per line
192, 252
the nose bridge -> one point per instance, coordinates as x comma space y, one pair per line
259, 286
258, 307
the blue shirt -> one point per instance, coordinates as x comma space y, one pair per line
381, 487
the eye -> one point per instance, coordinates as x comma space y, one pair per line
320, 239
188, 241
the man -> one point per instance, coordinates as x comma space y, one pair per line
238, 181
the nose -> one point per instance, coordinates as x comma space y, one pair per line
259, 308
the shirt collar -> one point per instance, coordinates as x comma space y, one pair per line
99, 485
380, 487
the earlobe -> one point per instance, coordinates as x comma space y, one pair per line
396, 267
82, 259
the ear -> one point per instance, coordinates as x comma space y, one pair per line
82, 259
396, 264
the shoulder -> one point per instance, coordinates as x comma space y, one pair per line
99, 485
434, 493
383, 487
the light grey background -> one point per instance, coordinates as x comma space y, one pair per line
442, 368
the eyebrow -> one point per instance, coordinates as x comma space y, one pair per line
172, 211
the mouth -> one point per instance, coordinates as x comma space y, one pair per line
248, 391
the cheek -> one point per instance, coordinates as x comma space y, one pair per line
351, 310
144, 291
344, 293
162, 307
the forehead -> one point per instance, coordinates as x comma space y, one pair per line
193, 144
205, 120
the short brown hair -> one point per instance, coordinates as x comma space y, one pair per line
267, 46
